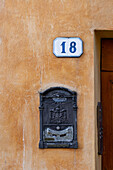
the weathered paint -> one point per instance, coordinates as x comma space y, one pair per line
27, 66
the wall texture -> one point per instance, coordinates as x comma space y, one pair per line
28, 66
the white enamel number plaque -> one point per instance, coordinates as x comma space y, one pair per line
67, 47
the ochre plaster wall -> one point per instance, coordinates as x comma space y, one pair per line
28, 66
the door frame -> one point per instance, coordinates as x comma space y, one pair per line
98, 36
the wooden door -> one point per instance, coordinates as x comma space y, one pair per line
107, 103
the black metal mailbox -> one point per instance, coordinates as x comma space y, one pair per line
58, 118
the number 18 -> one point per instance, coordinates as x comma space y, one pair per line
72, 47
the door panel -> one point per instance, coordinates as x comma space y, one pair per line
107, 54
107, 103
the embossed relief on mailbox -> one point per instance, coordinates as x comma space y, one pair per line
58, 118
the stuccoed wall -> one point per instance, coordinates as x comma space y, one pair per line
28, 66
